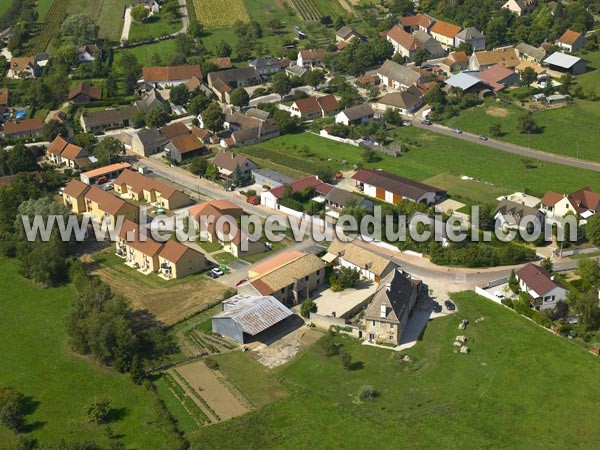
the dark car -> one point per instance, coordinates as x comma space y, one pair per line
426, 122
449, 305
483, 138
241, 282
437, 307
212, 275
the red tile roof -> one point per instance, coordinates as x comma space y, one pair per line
445, 29
312, 54
76, 189
94, 93
404, 39
139, 182
171, 73
57, 146
141, 242
173, 251
20, 126
276, 261
106, 169
222, 63
4, 96
569, 37
187, 143
418, 20
174, 130
298, 185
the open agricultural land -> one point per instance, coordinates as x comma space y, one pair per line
440, 399
58, 384
429, 155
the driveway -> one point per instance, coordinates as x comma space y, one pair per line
126, 25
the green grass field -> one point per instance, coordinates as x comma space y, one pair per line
518, 386
144, 53
36, 360
429, 155
110, 18
42, 7
4, 5
155, 26
591, 78
563, 128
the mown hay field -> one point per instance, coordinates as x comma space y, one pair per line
210, 13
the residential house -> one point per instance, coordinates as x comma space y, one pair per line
169, 76
135, 186
138, 249
561, 62
394, 188
517, 216
197, 84
499, 77
290, 277
337, 199
245, 318
444, 33
152, 99
396, 76
224, 82
544, 289
74, 196
153, 6
6, 34
485, 59
417, 22
539, 70
315, 107
520, 7
528, 52
87, 53
571, 41
108, 208
267, 65
270, 178
212, 220
63, 153
176, 260
406, 102
468, 82
454, 62
272, 197
103, 174
147, 142
24, 67
392, 304
371, 265
185, 147
584, 203
404, 44
205, 136
346, 34
471, 36
310, 58
228, 163
294, 70
247, 129
433, 48
174, 130
84, 93
120, 117
23, 128
355, 115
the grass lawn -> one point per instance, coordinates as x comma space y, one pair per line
144, 53
210, 13
43, 6
224, 257
155, 26
110, 18
491, 398
471, 190
4, 5
275, 247
184, 421
210, 247
37, 361
563, 128
429, 155
591, 78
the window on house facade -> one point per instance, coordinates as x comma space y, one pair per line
372, 323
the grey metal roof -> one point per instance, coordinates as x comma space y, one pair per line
531, 51
469, 33
358, 111
463, 80
273, 175
561, 59
398, 73
108, 116
254, 313
150, 136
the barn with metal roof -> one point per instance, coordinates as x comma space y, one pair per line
244, 317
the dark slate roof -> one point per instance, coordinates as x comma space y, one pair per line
394, 292
394, 183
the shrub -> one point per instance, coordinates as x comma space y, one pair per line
211, 363
307, 307
366, 393
346, 359
98, 410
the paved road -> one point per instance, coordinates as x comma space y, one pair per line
185, 21
511, 148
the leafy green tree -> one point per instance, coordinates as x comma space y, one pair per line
307, 307
589, 271
527, 123
139, 13
528, 76
85, 140
315, 78
157, 117
81, 28
131, 69
12, 408
369, 155
495, 130
179, 95
420, 56
109, 151
198, 103
198, 166
285, 122
346, 359
586, 305
137, 370
281, 84
98, 410
139, 119
547, 264
513, 283
592, 229
240, 97
213, 118
54, 128
21, 159
223, 49
366, 393
435, 96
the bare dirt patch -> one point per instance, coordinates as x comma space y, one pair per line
497, 112
169, 303
219, 397
286, 348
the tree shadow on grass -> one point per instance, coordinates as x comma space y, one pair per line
116, 415
30, 405
357, 365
